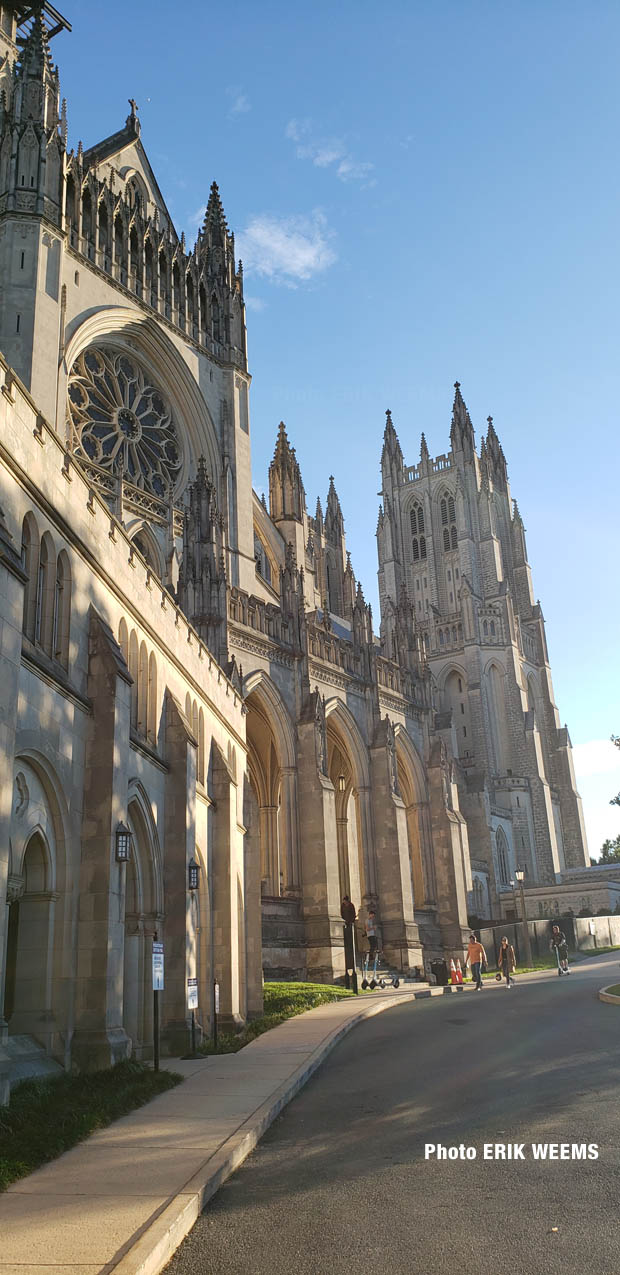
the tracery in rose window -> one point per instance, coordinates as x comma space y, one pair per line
121, 423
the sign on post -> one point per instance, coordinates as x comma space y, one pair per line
216, 992
192, 993
158, 966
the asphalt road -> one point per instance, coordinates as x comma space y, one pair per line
340, 1182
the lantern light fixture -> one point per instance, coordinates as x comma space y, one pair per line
123, 843
193, 874
342, 783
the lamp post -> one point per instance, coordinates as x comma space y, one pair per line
520, 875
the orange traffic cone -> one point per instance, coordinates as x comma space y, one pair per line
453, 978
459, 972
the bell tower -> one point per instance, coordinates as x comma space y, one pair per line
33, 135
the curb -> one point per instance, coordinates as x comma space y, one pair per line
605, 995
151, 1250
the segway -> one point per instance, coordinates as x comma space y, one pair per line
557, 957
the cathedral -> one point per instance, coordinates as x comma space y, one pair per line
205, 742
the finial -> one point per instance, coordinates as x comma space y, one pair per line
388, 414
457, 385
489, 421
134, 106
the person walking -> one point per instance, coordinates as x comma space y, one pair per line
506, 961
560, 947
476, 957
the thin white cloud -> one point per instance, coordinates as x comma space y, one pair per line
287, 250
196, 218
240, 104
328, 153
597, 757
255, 303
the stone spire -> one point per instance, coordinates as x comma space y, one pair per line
201, 589
497, 460
461, 430
424, 452
349, 589
334, 521
392, 462
33, 177
287, 499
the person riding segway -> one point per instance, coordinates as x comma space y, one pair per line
560, 947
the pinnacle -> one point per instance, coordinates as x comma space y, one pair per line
35, 53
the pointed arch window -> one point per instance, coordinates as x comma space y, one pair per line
30, 563
61, 618
448, 522
418, 544
503, 859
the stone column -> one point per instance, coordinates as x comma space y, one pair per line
179, 935
364, 806
398, 928
229, 956
12, 580
99, 1039
289, 830
252, 896
450, 846
270, 852
342, 841
319, 857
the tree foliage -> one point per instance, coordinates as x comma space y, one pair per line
615, 801
610, 850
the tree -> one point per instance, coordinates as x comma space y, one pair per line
610, 850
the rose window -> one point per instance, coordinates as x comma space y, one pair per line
121, 423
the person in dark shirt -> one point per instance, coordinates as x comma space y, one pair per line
560, 947
506, 961
347, 910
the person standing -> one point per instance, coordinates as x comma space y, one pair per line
560, 947
476, 957
506, 961
371, 935
347, 910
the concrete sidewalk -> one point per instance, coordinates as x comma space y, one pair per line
123, 1200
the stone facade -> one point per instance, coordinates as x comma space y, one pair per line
451, 539
179, 657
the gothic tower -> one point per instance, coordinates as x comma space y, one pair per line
451, 538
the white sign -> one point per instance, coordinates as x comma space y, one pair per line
592, 927
192, 993
216, 989
158, 967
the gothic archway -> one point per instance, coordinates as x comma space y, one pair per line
348, 769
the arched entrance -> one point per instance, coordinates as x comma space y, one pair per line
412, 788
272, 770
141, 922
31, 991
348, 769
30, 936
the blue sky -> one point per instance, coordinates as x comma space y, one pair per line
421, 192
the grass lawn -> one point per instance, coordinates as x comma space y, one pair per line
280, 1001
46, 1117
615, 990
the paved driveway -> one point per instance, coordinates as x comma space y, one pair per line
340, 1183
